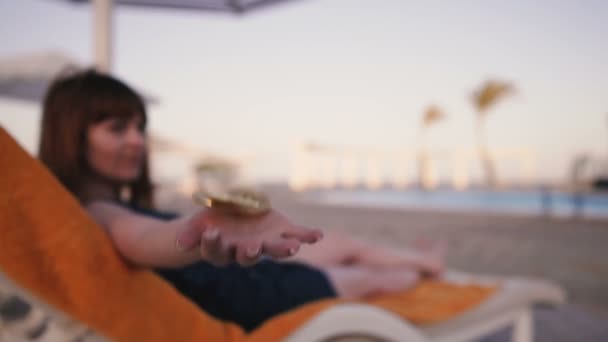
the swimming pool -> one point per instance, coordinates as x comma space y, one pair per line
517, 202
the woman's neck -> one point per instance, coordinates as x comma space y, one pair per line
97, 189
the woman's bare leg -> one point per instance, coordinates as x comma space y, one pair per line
338, 249
352, 282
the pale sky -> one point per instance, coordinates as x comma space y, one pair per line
344, 72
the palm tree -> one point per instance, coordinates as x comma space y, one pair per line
483, 99
606, 164
430, 116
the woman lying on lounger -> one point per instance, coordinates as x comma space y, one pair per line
93, 138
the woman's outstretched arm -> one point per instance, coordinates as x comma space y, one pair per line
208, 235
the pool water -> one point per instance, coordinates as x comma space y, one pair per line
518, 202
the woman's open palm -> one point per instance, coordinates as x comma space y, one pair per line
225, 239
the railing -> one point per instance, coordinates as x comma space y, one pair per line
318, 166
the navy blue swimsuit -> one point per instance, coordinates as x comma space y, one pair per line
246, 296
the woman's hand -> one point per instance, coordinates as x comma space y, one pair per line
225, 239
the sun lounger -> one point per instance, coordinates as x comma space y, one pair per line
53, 256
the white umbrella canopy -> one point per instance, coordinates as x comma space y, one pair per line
27, 77
103, 12
232, 6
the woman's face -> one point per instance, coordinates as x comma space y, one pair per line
116, 148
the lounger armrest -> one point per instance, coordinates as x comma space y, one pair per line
358, 322
513, 301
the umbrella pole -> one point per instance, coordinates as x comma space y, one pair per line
102, 16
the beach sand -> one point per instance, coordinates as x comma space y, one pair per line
571, 252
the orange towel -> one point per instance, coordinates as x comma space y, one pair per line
50, 246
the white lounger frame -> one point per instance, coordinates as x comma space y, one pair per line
512, 305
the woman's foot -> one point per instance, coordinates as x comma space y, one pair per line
431, 256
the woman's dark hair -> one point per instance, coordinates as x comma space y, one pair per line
73, 103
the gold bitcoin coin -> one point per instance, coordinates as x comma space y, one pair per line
236, 201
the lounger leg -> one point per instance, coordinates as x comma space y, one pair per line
523, 330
